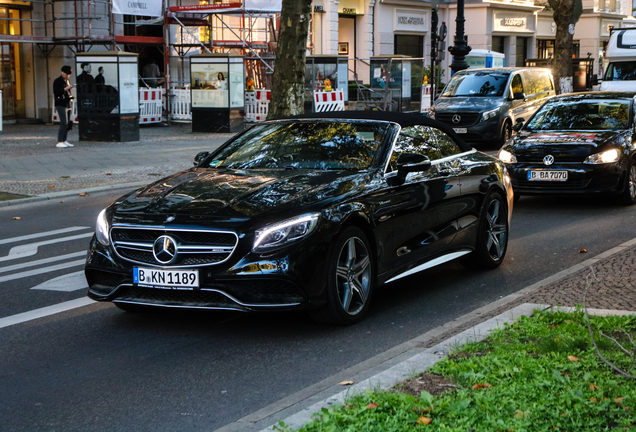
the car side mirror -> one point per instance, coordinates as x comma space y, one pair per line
519, 96
200, 157
413, 162
518, 124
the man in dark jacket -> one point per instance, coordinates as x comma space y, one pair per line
62, 92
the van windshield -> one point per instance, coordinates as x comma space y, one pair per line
477, 84
621, 71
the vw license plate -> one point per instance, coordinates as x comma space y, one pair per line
460, 130
545, 175
172, 279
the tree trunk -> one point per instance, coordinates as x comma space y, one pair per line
564, 48
289, 70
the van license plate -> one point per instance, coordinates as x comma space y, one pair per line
170, 279
547, 175
460, 130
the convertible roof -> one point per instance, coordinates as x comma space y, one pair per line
403, 119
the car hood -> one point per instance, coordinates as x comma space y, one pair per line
467, 103
569, 145
239, 194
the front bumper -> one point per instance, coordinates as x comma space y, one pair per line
582, 179
480, 132
277, 281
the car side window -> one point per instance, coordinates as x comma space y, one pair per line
537, 82
517, 84
415, 139
446, 144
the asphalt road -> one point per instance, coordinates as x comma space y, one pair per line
96, 368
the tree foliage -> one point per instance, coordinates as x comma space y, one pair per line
289, 71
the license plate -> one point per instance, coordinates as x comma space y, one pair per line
460, 130
172, 279
545, 175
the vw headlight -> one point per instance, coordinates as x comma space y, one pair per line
285, 232
506, 157
101, 230
608, 156
489, 114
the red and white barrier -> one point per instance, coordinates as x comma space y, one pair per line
425, 101
329, 101
257, 105
56, 118
150, 105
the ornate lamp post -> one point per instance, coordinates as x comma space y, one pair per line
460, 49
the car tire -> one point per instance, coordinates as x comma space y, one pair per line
350, 279
506, 132
628, 197
492, 237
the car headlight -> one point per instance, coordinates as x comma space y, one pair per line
101, 230
489, 114
285, 232
506, 157
607, 156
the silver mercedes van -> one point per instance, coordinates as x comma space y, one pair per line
483, 104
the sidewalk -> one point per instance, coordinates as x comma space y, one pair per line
30, 163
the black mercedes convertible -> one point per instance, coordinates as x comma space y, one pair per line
311, 212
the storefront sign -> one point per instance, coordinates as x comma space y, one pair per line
517, 22
411, 20
351, 7
138, 7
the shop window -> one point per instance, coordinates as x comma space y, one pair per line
545, 49
410, 45
498, 44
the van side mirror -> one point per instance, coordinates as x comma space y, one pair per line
518, 124
519, 96
200, 157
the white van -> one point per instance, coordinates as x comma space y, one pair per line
620, 61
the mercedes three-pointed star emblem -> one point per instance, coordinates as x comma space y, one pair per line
456, 118
165, 249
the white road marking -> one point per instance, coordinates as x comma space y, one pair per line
41, 261
66, 283
42, 234
42, 270
32, 248
45, 311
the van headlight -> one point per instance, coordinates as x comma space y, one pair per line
489, 114
102, 229
285, 232
607, 156
506, 157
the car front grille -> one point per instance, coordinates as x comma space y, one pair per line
204, 299
550, 185
193, 247
466, 118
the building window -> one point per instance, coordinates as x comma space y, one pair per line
498, 44
409, 45
545, 49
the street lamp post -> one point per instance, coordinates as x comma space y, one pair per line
460, 49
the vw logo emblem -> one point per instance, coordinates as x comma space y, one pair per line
548, 160
164, 249
456, 118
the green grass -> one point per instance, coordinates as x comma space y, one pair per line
545, 376
6, 196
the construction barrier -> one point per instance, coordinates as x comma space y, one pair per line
56, 118
180, 104
257, 105
329, 101
150, 105
425, 103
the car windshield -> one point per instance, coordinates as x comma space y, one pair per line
581, 115
621, 71
351, 145
477, 84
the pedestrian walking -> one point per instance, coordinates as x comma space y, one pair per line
62, 92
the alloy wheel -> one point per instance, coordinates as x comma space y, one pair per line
632, 182
353, 276
496, 231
